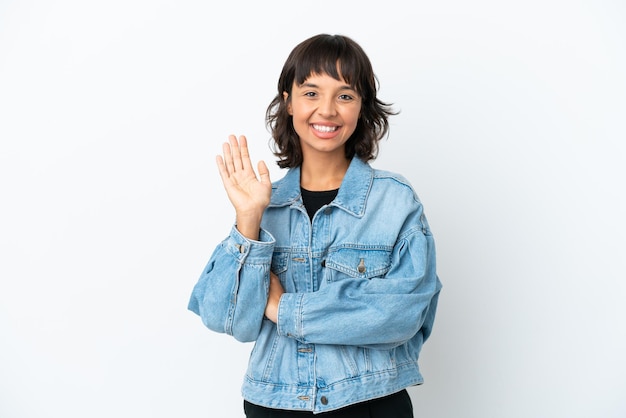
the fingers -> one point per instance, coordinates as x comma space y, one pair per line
236, 155
232, 158
225, 161
245, 155
221, 166
235, 164
235, 148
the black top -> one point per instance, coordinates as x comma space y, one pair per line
315, 200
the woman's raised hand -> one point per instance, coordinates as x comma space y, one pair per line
248, 193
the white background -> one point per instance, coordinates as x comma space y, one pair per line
512, 132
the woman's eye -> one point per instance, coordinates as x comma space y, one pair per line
345, 97
310, 94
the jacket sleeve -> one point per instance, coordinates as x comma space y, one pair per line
381, 312
231, 293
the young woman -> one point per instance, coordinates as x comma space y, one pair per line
331, 269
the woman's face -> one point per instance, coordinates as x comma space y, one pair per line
325, 113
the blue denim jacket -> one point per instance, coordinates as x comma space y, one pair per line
361, 293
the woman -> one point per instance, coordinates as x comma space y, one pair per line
331, 269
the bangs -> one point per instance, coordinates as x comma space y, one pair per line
332, 56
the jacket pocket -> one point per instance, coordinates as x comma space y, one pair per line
357, 263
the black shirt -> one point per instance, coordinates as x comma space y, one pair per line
315, 200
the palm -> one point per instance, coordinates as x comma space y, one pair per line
248, 193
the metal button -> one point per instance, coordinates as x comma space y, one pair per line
361, 267
324, 400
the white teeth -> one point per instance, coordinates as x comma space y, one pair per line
322, 128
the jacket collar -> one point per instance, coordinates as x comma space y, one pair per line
352, 193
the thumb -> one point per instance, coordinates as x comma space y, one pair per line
264, 173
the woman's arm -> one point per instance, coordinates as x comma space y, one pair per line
231, 293
380, 312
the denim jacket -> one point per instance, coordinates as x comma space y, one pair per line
361, 292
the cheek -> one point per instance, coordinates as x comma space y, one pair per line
353, 119
294, 109
354, 114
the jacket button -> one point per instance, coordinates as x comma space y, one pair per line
323, 263
324, 400
361, 267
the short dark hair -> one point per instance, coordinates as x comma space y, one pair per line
339, 57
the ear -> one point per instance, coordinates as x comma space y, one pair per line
286, 100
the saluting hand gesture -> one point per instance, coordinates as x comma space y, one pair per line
248, 193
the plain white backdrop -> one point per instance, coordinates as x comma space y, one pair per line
511, 130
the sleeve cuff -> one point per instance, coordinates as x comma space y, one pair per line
247, 250
290, 316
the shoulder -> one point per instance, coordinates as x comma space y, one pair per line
385, 174
395, 182
395, 192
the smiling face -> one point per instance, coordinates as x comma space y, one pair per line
325, 113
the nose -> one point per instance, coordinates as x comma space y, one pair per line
327, 107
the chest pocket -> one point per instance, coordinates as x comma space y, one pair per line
354, 263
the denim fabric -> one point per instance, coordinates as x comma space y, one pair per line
397, 405
361, 293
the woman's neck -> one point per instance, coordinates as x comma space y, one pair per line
319, 175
